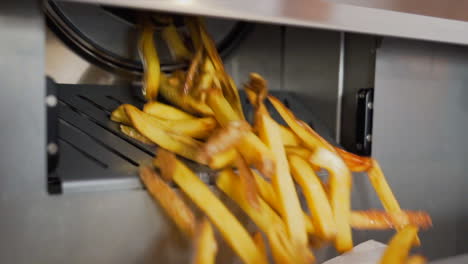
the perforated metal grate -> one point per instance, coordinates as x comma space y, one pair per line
94, 155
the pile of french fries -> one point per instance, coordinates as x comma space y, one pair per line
261, 166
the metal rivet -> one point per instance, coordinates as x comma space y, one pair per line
52, 148
369, 137
51, 100
370, 105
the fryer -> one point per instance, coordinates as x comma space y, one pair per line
380, 78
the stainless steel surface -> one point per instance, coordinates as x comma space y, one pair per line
339, 103
408, 21
420, 124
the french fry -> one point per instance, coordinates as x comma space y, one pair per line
230, 228
197, 127
193, 71
283, 184
308, 136
416, 259
288, 137
171, 90
399, 246
340, 194
119, 115
224, 139
263, 216
150, 59
378, 220
133, 133
205, 244
322, 215
260, 242
354, 162
169, 200
303, 153
175, 43
248, 182
223, 159
223, 111
146, 125
164, 111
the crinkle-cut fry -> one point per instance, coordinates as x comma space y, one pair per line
133, 133
205, 244
171, 90
315, 195
164, 111
146, 125
175, 43
264, 217
230, 228
416, 259
169, 200
399, 246
150, 59
197, 127
288, 137
223, 139
283, 184
193, 71
119, 115
379, 220
340, 194
354, 162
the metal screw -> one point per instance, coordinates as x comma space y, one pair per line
51, 100
361, 95
370, 105
52, 148
369, 137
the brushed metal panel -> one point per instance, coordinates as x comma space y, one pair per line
420, 124
320, 14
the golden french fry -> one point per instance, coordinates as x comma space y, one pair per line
354, 162
223, 111
223, 139
193, 71
223, 159
196, 127
148, 127
315, 195
175, 43
288, 137
340, 194
248, 182
416, 259
164, 111
308, 136
205, 244
303, 153
230, 228
290, 208
133, 133
260, 242
119, 115
192, 26
399, 246
171, 90
379, 220
169, 200
150, 59
263, 216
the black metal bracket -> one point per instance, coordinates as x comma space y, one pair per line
364, 113
52, 143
